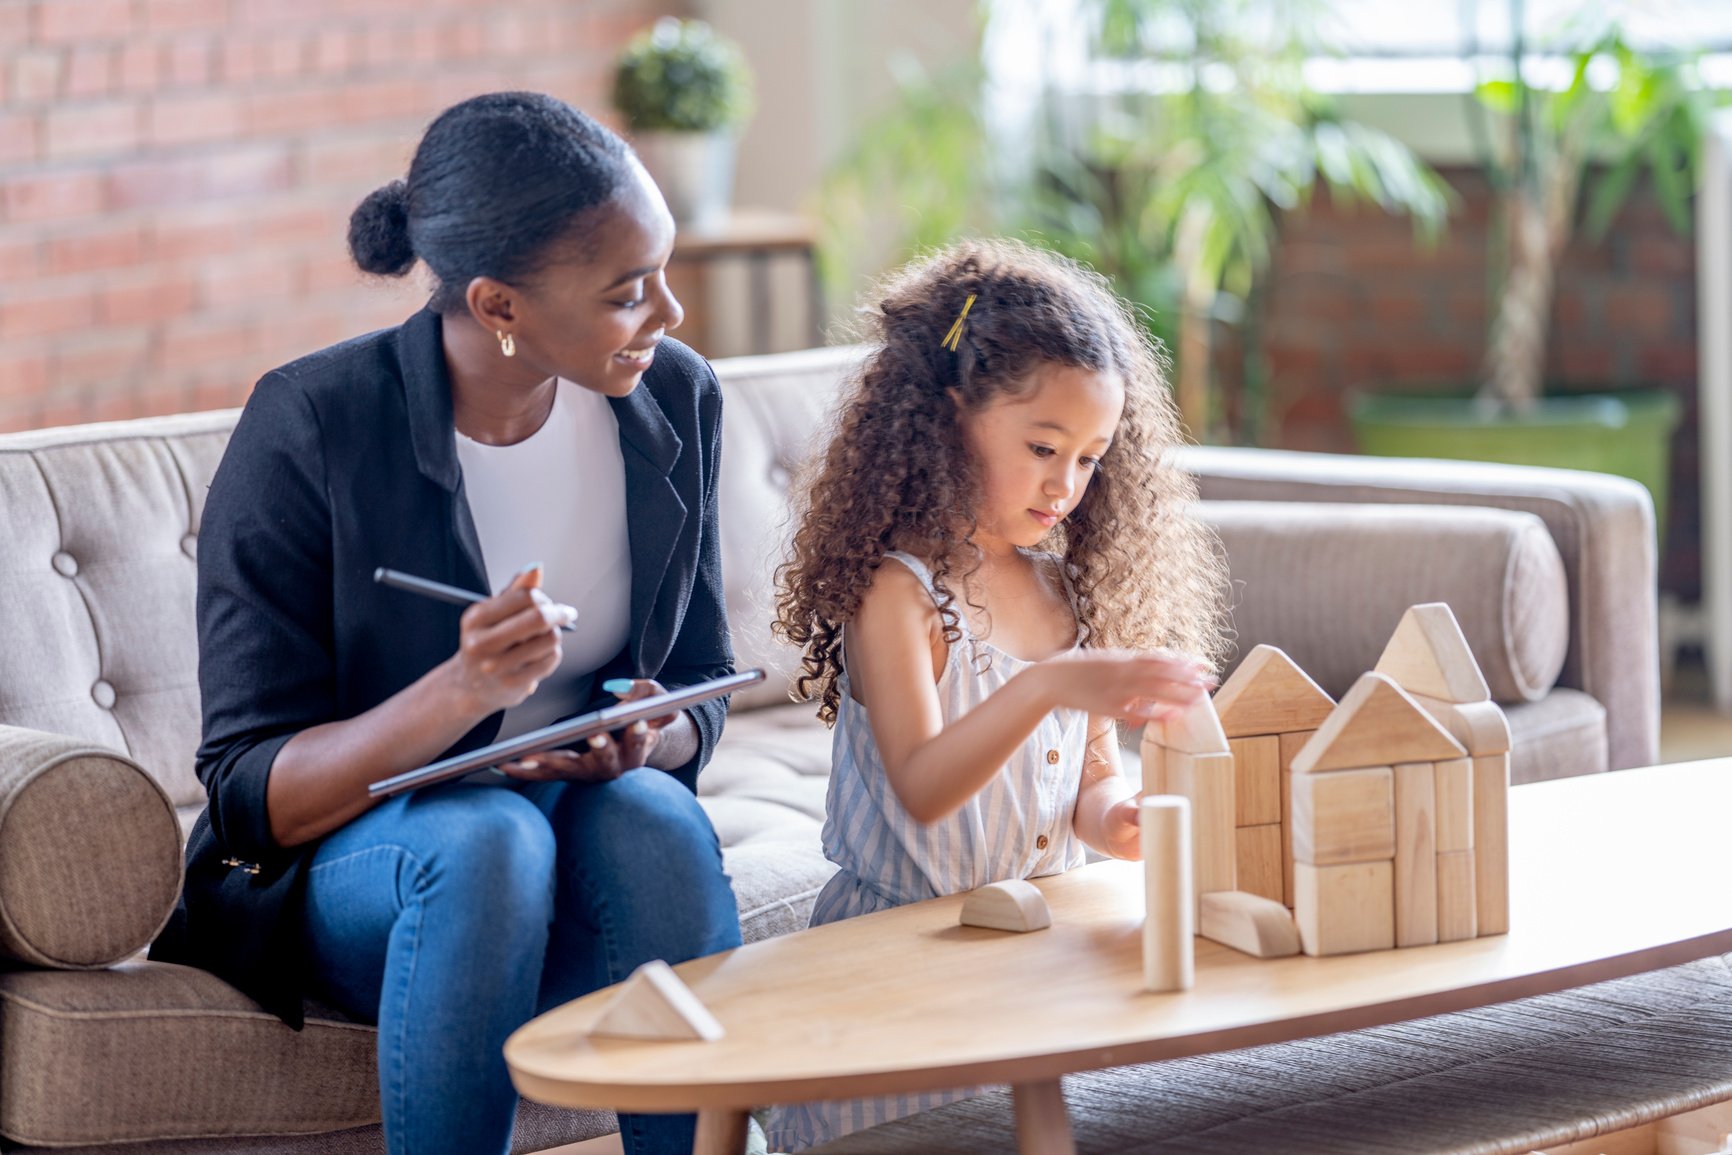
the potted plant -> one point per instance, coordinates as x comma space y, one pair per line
1622, 114
684, 93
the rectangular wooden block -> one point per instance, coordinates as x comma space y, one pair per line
1259, 861
1290, 745
1342, 816
1456, 901
1344, 909
1454, 805
1257, 779
1207, 780
1491, 843
1154, 768
1415, 855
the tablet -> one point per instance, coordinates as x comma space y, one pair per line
564, 733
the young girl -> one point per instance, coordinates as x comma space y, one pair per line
992, 562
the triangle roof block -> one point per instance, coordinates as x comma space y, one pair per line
1376, 724
654, 1004
1429, 655
1196, 730
1270, 694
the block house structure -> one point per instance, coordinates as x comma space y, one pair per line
1379, 822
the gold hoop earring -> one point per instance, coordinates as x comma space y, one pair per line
507, 343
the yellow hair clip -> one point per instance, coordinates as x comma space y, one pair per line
953, 339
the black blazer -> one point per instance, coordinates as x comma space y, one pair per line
344, 461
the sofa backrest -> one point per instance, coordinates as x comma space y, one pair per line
99, 532
98, 536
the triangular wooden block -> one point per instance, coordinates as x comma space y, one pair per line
1428, 654
1014, 904
1196, 730
1269, 694
654, 1004
1376, 724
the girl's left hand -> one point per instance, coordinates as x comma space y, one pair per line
1122, 831
605, 756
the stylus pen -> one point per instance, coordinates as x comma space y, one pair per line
439, 591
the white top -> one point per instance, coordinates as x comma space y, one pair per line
558, 497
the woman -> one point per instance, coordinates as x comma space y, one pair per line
533, 412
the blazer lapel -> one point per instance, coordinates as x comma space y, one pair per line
656, 519
432, 433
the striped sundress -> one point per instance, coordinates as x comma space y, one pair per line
1017, 826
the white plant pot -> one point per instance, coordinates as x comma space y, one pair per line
694, 170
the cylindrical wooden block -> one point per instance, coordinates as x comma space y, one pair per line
1168, 961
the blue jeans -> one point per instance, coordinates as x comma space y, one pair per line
450, 916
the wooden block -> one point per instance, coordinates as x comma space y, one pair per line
1195, 730
1415, 854
1343, 816
1154, 757
1704, 1130
1456, 900
1376, 724
1480, 727
1454, 804
1491, 843
1170, 906
1428, 654
1269, 694
1344, 909
1257, 779
1207, 781
1014, 904
1259, 927
1258, 867
654, 1004
1291, 744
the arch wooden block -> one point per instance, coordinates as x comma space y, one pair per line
1260, 927
654, 1004
1013, 904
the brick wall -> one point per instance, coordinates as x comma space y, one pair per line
176, 176
1353, 304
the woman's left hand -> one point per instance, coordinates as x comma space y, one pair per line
606, 756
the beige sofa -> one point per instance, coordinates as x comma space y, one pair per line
1551, 574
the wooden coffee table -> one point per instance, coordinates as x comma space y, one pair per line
1611, 875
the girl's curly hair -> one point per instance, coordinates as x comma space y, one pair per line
896, 475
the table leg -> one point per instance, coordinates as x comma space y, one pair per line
1042, 1127
720, 1132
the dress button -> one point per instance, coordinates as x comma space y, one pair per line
189, 545
1052, 757
1040, 843
64, 564
104, 695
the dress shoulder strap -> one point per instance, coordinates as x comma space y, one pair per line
924, 572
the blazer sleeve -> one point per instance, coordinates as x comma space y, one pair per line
703, 648
266, 649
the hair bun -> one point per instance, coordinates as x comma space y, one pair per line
379, 231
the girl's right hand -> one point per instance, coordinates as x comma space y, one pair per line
506, 647
1135, 686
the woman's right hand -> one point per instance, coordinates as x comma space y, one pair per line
506, 647
1135, 686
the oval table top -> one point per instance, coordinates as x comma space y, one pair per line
1610, 875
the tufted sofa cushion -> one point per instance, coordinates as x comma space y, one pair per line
768, 432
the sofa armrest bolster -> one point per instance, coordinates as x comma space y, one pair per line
90, 852
1603, 527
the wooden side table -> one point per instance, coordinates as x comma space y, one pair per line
757, 237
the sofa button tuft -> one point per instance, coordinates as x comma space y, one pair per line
103, 692
64, 563
189, 545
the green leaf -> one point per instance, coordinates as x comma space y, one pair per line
1609, 194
